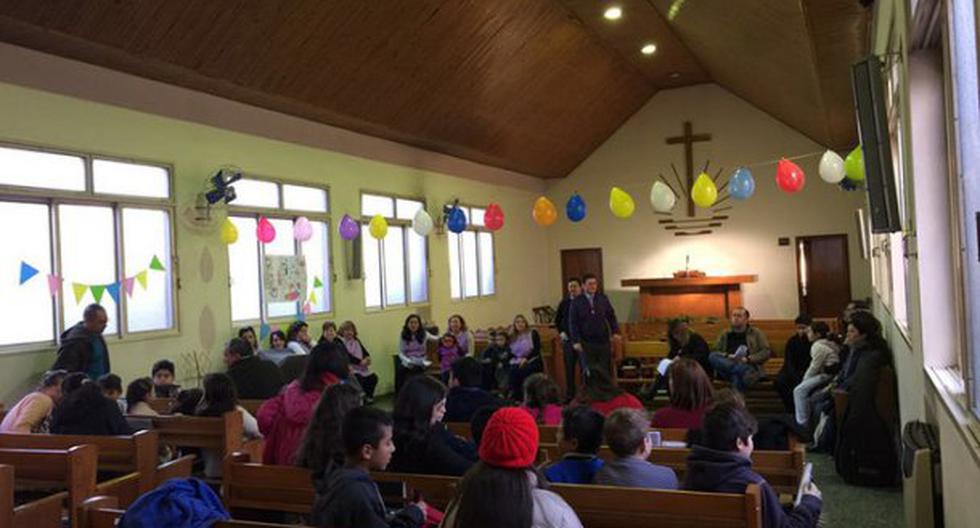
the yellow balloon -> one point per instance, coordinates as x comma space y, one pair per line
378, 227
229, 233
544, 212
621, 203
704, 193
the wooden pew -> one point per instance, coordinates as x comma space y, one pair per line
548, 434
279, 488
224, 435
252, 406
74, 469
41, 513
103, 512
782, 469
617, 507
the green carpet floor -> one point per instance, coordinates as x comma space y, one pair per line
853, 506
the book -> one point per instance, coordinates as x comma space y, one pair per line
804, 482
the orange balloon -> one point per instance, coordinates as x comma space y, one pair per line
544, 212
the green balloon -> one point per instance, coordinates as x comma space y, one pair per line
854, 164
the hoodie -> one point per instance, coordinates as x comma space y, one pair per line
79, 352
348, 498
283, 420
730, 472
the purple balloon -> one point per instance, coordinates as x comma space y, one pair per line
349, 228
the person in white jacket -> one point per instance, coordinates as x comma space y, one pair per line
824, 354
496, 490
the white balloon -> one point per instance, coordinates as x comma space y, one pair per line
422, 223
831, 167
662, 198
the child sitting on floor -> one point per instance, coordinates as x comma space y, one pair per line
626, 433
348, 496
578, 439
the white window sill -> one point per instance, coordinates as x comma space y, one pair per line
948, 384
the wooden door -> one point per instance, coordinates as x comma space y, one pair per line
578, 262
823, 274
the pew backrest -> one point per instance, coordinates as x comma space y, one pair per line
277, 488
548, 434
74, 468
224, 433
616, 507
104, 512
40, 513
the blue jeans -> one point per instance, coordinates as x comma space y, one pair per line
730, 370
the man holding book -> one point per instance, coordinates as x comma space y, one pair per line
740, 352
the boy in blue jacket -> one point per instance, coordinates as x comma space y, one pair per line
721, 462
347, 497
579, 439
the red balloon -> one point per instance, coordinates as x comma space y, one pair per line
493, 217
789, 176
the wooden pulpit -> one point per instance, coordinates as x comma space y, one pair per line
690, 296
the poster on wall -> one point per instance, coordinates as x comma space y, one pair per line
285, 278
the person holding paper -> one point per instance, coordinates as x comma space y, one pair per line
740, 352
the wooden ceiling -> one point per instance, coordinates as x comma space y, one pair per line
527, 85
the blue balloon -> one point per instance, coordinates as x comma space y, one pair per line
575, 208
741, 185
456, 221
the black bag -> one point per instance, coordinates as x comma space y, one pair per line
915, 437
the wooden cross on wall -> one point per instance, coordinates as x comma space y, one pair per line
688, 140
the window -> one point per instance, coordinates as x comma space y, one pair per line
88, 230
395, 268
966, 158
246, 257
896, 241
471, 261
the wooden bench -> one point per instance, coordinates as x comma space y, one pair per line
103, 512
73, 469
548, 434
280, 488
223, 434
41, 513
782, 469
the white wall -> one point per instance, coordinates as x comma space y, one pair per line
747, 243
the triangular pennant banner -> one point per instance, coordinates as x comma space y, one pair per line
317, 283
313, 297
54, 284
79, 290
264, 331
155, 264
128, 286
97, 290
307, 308
113, 290
141, 278
27, 272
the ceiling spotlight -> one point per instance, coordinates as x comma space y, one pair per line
649, 49
675, 75
613, 13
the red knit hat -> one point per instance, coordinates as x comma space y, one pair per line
510, 439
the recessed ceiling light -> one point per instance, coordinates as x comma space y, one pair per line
613, 13
648, 49
675, 75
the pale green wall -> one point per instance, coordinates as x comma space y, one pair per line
194, 151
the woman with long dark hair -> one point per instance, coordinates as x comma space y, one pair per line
138, 397
298, 338
284, 418
360, 360
504, 489
422, 442
604, 396
220, 397
412, 342
690, 393
322, 448
85, 411
464, 337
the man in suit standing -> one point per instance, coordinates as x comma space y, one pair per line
591, 323
561, 322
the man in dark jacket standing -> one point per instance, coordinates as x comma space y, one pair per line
82, 347
255, 378
561, 322
721, 463
591, 322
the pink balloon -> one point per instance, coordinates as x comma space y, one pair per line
348, 228
493, 217
302, 229
265, 231
789, 176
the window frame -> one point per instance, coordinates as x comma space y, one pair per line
468, 209
52, 198
281, 213
401, 223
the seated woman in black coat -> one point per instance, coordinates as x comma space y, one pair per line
684, 343
422, 442
85, 411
